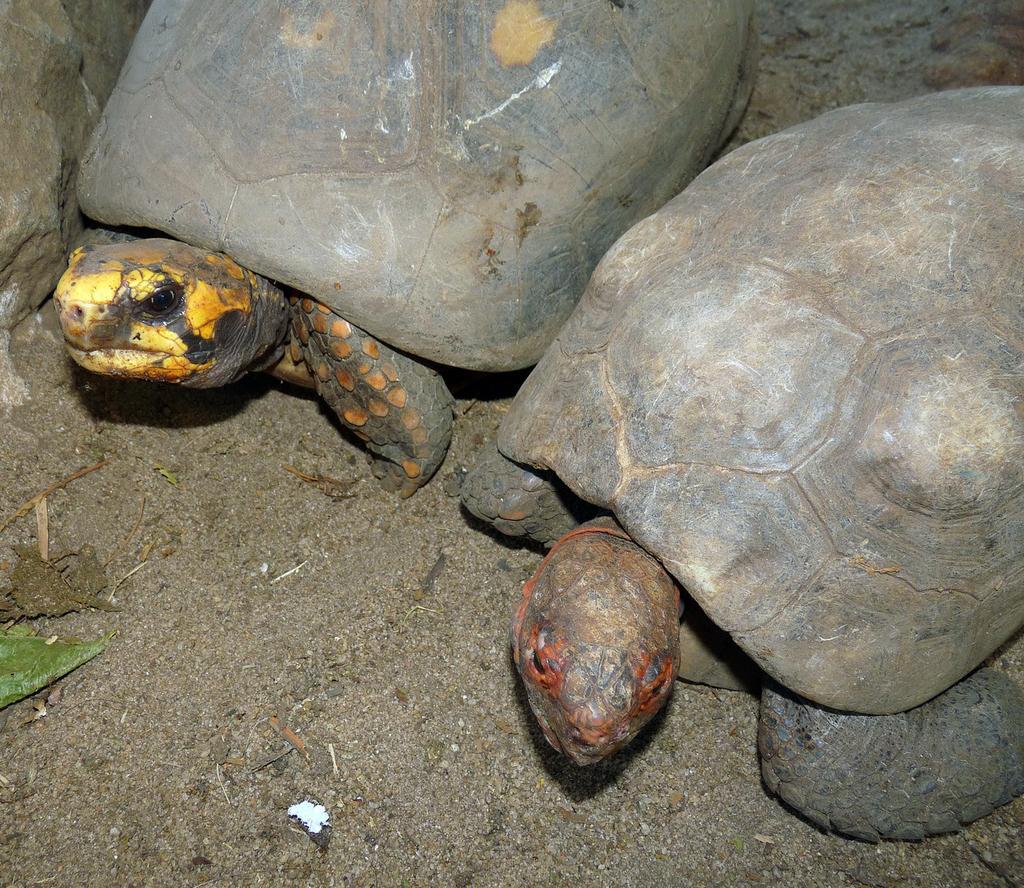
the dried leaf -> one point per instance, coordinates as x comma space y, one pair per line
505, 726
289, 735
571, 816
428, 583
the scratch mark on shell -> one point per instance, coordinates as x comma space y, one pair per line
539, 82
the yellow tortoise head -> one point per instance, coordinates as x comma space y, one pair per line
162, 310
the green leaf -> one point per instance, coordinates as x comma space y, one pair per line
28, 664
166, 474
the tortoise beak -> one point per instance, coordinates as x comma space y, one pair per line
87, 325
592, 736
87, 309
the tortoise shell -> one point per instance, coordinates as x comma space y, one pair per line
443, 175
800, 385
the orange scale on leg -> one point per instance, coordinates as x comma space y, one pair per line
356, 416
345, 379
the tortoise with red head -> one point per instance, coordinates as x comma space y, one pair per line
434, 180
799, 387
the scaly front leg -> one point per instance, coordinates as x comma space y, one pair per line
398, 406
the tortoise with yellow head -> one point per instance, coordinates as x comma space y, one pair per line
799, 389
432, 181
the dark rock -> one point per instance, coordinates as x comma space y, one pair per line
62, 59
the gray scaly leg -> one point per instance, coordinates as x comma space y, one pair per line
903, 776
517, 501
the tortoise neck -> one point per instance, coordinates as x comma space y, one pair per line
269, 331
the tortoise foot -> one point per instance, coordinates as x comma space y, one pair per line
398, 406
518, 502
904, 776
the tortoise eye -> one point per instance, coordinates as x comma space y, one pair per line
163, 300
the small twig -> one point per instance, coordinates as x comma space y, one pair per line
334, 761
289, 572
29, 505
134, 570
419, 607
131, 534
220, 780
866, 566
991, 866
332, 487
43, 529
252, 733
259, 766
303, 476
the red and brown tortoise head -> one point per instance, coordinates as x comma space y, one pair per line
596, 639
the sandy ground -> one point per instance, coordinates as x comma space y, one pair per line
377, 631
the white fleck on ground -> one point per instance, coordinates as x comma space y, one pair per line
313, 817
